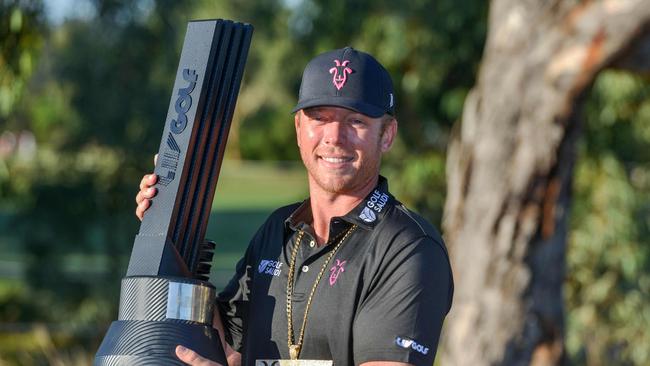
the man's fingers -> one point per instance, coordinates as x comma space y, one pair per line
146, 193
144, 182
148, 181
192, 358
149, 192
142, 207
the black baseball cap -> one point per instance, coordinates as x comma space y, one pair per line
347, 78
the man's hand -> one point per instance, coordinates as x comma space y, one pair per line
146, 193
192, 358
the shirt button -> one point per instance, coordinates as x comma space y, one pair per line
305, 268
311, 244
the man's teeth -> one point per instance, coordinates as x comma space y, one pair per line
335, 160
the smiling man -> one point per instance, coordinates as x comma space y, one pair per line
349, 276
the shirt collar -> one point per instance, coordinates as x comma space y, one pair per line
299, 217
373, 208
366, 214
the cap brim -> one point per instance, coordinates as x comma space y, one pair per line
347, 103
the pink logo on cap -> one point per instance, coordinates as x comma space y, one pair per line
340, 71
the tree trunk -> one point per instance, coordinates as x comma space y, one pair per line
509, 170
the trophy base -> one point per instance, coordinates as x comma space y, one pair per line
154, 343
156, 315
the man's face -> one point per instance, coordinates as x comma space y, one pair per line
342, 149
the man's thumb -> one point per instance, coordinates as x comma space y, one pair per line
192, 358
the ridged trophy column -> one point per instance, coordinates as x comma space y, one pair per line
165, 298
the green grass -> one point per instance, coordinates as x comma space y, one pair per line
259, 186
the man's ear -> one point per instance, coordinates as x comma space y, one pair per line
388, 136
296, 122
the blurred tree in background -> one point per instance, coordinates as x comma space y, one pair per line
510, 183
510, 169
81, 145
22, 27
81, 116
608, 287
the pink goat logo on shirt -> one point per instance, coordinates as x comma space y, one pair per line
336, 270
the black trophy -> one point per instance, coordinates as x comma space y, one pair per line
165, 297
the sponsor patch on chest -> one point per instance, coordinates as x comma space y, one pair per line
270, 267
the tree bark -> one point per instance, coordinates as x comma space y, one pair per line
509, 169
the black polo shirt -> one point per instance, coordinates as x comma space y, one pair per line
383, 296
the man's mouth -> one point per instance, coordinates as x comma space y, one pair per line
336, 159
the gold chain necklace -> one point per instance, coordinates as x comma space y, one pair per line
294, 349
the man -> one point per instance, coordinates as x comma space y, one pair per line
348, 275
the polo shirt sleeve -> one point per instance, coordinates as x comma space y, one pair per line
408, 297
233, 302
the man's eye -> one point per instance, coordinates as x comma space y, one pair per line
357, 122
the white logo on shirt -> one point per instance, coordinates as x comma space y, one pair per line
367, 215
270, 267
375, 203
409, 343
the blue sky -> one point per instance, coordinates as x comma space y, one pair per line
57, 11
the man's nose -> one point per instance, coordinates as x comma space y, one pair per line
335, 133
